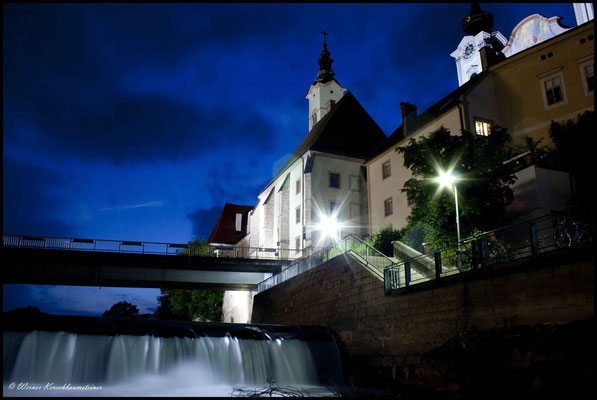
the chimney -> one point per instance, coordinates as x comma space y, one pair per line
490, 57
409, 117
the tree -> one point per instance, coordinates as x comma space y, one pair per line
122, 309
185, 304
482, 187
382, 240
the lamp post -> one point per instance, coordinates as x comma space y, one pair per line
447, 179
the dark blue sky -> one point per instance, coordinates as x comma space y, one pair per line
139, 121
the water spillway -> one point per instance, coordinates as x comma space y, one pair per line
162, 358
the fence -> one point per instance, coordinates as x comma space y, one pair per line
526, 239
124, 246
374, 260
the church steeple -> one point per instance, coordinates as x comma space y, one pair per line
325, 73
325, 91
477, 21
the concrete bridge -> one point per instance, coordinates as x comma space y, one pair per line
94, 262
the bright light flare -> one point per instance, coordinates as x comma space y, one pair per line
329, 226
446, 179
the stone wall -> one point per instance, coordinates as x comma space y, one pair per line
384, 338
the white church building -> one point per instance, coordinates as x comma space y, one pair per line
323, 179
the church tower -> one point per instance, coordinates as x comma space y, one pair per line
469, 60
325, 91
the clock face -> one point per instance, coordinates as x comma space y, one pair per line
468, 50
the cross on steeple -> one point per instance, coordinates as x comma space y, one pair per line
324, 33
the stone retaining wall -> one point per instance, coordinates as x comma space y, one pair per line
384, 338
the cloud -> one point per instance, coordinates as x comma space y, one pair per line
204, 220
128, 207
76, 300
31, 201
63, 77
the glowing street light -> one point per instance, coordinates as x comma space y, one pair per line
447, 179
329, 226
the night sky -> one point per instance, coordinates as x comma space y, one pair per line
139, 121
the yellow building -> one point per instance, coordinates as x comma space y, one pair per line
543, 73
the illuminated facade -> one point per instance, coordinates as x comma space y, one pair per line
323, 177
544, 72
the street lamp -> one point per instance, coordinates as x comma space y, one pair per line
447, 179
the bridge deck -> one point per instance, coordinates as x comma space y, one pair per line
87, 268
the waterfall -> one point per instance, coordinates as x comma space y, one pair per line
142, 364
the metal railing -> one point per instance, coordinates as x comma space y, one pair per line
124, 246
374, 260
517, 241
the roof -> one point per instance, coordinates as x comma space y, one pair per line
225, 229
346, 130
433, 112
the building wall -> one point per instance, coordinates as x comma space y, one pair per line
383, 333
348, 195
518, 90
538, 191
381, 189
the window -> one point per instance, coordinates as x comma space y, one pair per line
355, 211
297, 243
330, 104
553, 90
332, 207
298, 214
482, 128
334, 180
238, 225
298, 186
387, 206
386, 171
589, 75
354, 183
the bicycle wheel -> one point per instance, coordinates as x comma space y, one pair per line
497, 252
583, 237
464, 260
560, 238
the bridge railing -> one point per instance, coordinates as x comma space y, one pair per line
374, 260
124, 246
517, 241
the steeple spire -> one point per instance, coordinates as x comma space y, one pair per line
477, 21
325, 73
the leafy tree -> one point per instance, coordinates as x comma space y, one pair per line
382, 240
482, 187
122, 309
185, 304
575, 154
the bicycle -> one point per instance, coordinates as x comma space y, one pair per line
492, 253
567, 234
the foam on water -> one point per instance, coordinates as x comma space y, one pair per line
127, 365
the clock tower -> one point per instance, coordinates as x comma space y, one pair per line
477, 25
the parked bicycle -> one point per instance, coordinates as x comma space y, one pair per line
570, 233
491, 253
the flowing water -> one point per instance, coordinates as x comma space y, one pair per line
58, 363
